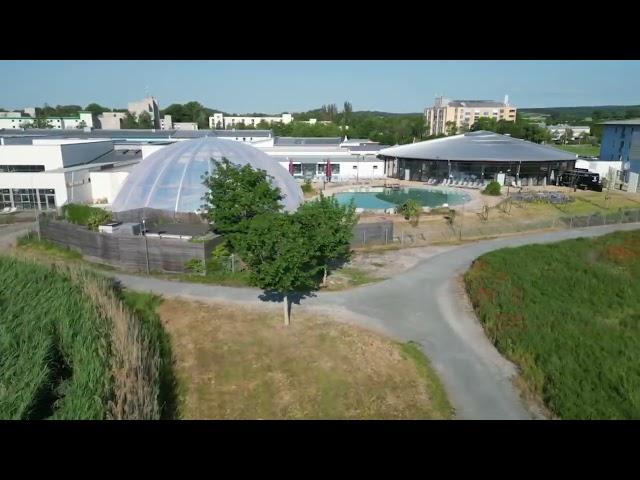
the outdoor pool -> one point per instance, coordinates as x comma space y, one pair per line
382, 199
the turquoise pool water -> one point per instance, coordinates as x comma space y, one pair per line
381, 200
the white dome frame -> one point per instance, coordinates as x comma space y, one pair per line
170, 179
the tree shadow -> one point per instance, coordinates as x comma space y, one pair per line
278, 297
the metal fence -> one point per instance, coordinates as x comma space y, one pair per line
373, 233
439, 229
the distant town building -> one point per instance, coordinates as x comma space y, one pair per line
17, 121
166, 123
185, 126
220, 121
464, 113
149, 105
110, 120
557, 131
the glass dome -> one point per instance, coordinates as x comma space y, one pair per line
170, 179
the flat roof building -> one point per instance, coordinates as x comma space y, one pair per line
477, 156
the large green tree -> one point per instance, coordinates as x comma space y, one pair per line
237, 194
145, 120
96, 109
129, 121
279, 252
329, 227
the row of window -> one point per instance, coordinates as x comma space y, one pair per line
21, 168
28, 198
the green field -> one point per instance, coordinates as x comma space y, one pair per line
584, 150
71, 349
568, 315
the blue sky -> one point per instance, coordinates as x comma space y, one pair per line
244, 86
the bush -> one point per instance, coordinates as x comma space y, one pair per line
411, 210
195, 265
90, 217
98, 217
307, 187
492, 189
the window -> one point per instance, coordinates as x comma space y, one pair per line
21, 168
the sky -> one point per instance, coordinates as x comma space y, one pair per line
246, 86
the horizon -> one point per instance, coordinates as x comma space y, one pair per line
400, 87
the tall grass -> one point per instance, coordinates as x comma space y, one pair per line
568, 315
70, 349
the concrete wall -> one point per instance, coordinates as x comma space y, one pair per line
129, 252
48, 155
106, 184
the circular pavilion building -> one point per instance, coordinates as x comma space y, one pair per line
169, 182
477, 156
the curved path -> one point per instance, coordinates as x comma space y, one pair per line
425, 304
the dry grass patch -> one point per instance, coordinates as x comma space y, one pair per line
241, 363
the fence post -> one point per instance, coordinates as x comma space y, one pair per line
233, 263
402, 238
386, 231
364, 237
571, 222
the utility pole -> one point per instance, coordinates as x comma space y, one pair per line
146, 245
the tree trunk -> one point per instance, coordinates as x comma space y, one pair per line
324, 278
286, 310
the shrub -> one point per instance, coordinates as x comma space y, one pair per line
98, 217
90, 217
411, 210
195, 265
307, 187
492, 189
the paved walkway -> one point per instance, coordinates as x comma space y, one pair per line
425, 304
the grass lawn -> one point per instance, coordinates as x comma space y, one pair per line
240, 363
568, 315
584, 150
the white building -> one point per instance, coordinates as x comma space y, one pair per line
50, 172
111, 120
577, 132
221, 122
149, 105
82, 120
185, 126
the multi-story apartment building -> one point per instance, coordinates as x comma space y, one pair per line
464, 113
220, 122
621, 142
